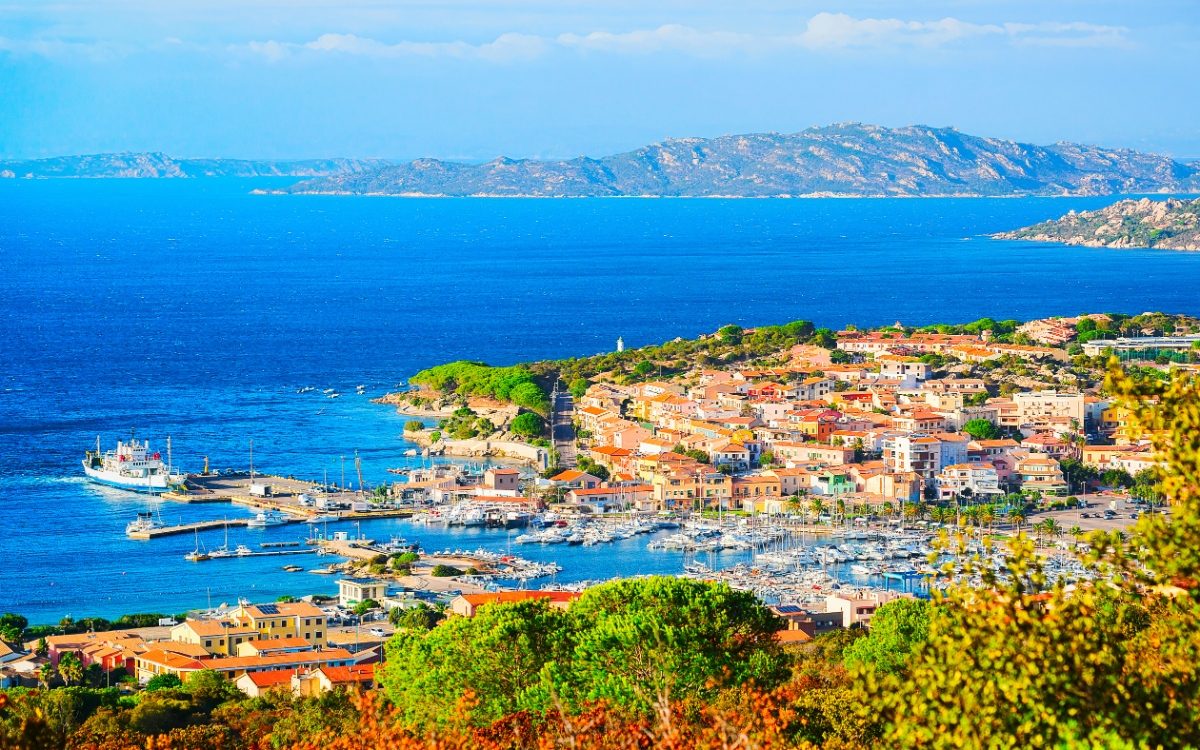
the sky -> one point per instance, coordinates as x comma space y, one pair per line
475, 79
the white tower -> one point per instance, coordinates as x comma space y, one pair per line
620, 344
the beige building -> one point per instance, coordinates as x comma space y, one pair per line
220, 637
1035, 406
859, 608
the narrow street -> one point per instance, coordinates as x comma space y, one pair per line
562, 428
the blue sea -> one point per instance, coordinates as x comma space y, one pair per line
194, 309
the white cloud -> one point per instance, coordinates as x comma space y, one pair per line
823, 33
671, 37
504, 48
840, 31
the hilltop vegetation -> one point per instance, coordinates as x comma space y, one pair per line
727, 345
1170, 225
845, 159
512, 385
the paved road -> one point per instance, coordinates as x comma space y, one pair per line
563, 429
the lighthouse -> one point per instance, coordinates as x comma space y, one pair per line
620, 344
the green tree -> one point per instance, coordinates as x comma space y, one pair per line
578, 387
498, 655
897, 628
164, 682
209, 688
365, 606
527, 425
981, 429
643, 368
730, 335
824, 338
305, 719
159, 714
414, 425
421, 617
12, 627
636, 641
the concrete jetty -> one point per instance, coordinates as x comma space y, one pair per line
186, 528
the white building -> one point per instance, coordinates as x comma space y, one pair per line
980, 479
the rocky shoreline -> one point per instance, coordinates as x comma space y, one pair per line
1171, 224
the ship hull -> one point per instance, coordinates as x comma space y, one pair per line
153, 485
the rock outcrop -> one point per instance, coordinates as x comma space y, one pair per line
1170, 224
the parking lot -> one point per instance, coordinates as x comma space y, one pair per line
1094, 517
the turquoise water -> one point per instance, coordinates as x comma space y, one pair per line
195, 309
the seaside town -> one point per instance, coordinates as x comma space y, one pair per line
834, 463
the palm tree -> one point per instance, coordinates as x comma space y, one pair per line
1077, 533
987, 516
1053, 527
793, 504
70, 668
889, 509
816, 507
1017, 517
46, 675
840, 507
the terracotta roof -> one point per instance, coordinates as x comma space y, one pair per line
569, 475
210, 628
168, 659
225, 663
284, 609
273, 678
612, 450
275, 644
344, 675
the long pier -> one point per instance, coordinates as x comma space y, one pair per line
272, 553
187, 528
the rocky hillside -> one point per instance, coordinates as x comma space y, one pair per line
1170, 224
847, 159
147, 165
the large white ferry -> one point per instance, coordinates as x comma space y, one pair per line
132, 466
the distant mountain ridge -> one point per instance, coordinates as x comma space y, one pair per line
838, 160
159, 165
1172, 224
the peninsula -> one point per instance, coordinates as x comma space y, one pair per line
850, 159
1171, 224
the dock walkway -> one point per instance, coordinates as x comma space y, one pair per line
187, 528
